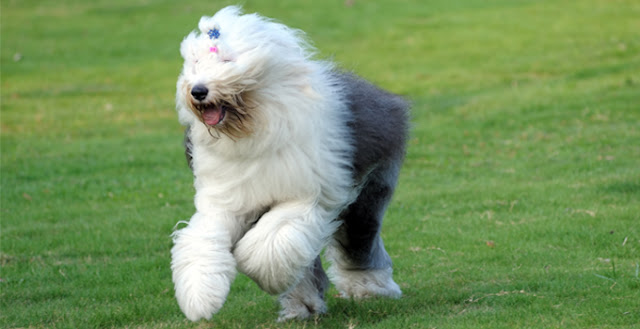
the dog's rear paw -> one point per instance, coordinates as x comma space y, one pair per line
365, 284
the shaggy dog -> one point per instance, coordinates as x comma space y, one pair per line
290, 156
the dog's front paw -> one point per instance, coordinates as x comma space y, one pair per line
276, 260
203, 269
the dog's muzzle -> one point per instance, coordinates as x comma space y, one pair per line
211, 113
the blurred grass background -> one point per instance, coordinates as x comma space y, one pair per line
518, 205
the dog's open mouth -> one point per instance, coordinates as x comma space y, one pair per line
224, 115
212, 114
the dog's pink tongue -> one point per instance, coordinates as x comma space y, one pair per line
212, 116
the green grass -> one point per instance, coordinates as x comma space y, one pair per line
518, 205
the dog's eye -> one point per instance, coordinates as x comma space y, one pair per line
193, 67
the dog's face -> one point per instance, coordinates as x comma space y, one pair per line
221, 105
220, 75
214, 85
232, 64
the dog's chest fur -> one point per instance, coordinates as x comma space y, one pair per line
242, 183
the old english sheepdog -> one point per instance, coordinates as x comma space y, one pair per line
290, 156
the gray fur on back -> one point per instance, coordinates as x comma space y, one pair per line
379, 129
379, 123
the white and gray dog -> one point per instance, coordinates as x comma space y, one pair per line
290, 156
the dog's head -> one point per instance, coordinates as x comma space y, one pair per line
231, 66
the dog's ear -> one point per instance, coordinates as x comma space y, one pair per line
188, 47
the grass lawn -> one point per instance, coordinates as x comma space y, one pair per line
518, 205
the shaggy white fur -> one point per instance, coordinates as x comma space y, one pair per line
272, 156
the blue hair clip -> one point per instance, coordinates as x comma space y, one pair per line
214, 33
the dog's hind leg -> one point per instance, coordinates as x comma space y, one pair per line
361, 267
307, 297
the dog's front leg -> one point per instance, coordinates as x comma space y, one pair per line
283, 244
202, 263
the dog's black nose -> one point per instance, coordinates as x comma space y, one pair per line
199, 92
